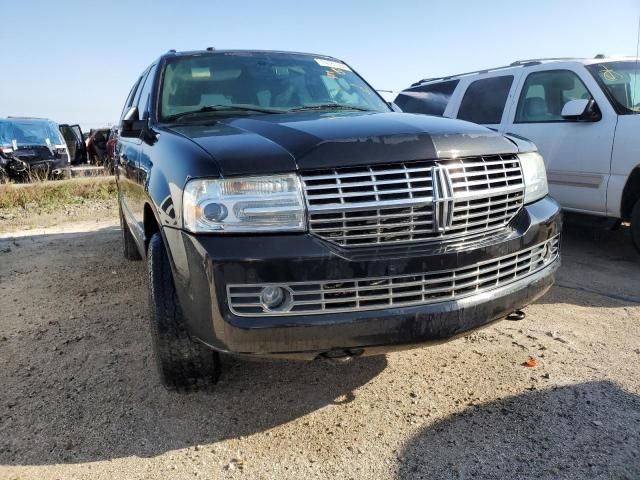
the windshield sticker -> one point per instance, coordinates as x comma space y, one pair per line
200, 72
331, 64
610, 75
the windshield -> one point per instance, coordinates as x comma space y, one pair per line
621, 82
272, 82
29, 132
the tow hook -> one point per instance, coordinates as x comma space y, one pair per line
340, 355
516, 316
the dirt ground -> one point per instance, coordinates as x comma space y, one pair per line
79, 396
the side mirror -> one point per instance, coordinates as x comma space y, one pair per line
131, 125
581, 110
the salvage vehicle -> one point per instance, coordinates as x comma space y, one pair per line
583, 114
285, 210
31, 146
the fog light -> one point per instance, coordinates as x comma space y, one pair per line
275, 298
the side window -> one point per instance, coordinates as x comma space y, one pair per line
484, 100
428, 99
545, 93
129, 100
143, 80
141, 102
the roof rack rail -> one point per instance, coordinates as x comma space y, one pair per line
538, 61
518, 63
475, 72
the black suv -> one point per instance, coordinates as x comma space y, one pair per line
286, 210
31, 147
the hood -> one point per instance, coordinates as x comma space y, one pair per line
315, 140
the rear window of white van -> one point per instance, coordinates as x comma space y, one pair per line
429, 99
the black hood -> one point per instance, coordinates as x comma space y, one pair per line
312, 140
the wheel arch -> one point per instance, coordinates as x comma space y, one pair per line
151, 224
630, 193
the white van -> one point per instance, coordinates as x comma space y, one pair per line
583, 114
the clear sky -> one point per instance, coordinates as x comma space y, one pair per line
75, 61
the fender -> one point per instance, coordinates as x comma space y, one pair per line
630, 193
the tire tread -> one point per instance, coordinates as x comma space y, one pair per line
184, 364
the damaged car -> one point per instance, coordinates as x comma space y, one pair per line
32, 147
284, 209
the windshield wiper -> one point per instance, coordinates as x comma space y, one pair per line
221, 108
329, 106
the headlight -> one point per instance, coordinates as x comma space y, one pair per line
249, 204
535, 176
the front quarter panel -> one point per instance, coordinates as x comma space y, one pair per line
167, 163
624, 158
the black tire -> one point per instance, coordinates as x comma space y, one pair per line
635, 225
129, 248
184, 364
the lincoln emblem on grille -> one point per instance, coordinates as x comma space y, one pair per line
443, 199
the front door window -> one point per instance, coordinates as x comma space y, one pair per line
545, 93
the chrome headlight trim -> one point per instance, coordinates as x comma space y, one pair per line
266, 203
534, 175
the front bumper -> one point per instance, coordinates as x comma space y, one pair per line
205, 264
16, 167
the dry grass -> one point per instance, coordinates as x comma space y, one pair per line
54, 195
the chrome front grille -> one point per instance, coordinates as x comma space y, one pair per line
348, 295
414, 201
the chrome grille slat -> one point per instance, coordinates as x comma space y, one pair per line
388, 204
356, 184
365, 217
364, 174
475, 174
366, 227
517, 199
347, 295
473, 183
471, 195
384, 204
368, 194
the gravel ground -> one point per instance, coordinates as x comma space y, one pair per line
79, 396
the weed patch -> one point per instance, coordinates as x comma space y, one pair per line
49, 196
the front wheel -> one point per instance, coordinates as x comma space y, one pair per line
184, 364
635, 225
